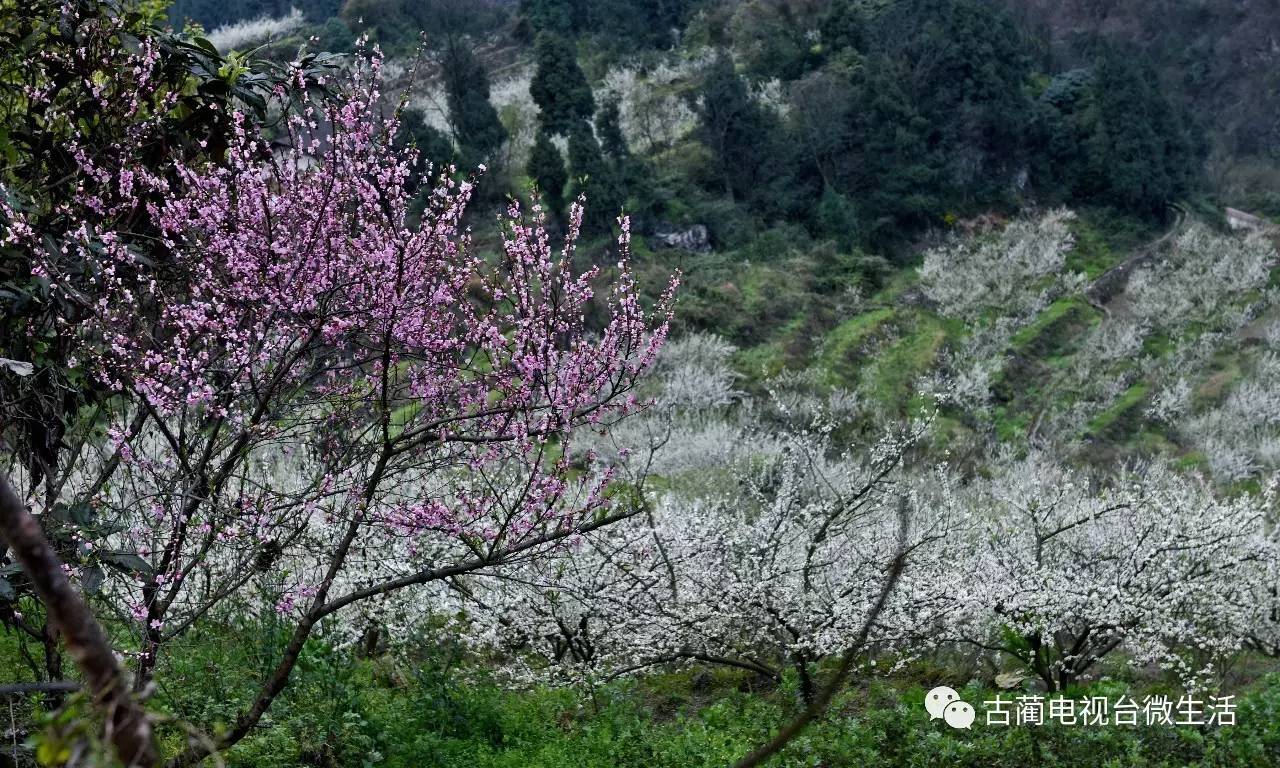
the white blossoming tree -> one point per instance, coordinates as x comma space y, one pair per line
1065, 569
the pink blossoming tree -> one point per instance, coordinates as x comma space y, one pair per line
321, 401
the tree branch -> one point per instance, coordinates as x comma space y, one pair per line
129, 727
823, 698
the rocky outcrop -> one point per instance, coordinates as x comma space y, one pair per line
695, 238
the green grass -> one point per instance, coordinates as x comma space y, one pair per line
1091, 255
1038, 354
897, 283
890, 380
1067, 312
424, 707
760, 362
1011, 425
1127, 406
1104, 239
699, 720
1226, 371
842, 354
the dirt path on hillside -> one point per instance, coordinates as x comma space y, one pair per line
1106, 292
1107, 295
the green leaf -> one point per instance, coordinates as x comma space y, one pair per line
7, 592
91, 578
79, 513
52, 752
205, 46
129, 562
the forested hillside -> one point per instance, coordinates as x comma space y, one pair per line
444, 383
1219, 60
863, 121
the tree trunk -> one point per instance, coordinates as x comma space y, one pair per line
129, 728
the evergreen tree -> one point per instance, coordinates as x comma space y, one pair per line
555, 17
622, 26
626, 26
753, 161
433, 145
475, 124
897, 169
546, 168
733, 126
631, 173
1136, 146
559, 87
975, 64
609, 129
843, 27
336, 36
1108, 134
835, 217
594, 178
1058, 133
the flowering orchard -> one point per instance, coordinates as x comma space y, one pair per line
766, 551
1066, 568
783, 572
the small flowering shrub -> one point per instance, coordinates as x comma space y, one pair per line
249, 31
1017, 271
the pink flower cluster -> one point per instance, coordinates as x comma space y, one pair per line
293, 292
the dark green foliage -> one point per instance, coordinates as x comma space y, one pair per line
555, 17
916, 110
609, 129
546, 169
1215, 60
335, 35
621, 26
1063, 114
400, 26
939, 115
426, 708
595, 178
919, 109
559, 87
632, 174
968, 67
433, 145
730, 124
752, 163
627, 26
447, 20
1138, 152
211, 14
772, 39
473, 119
901, 114
844, 26
585, 156
1108, 134
897, 174
836, 218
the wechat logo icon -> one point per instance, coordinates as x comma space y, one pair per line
945, 704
